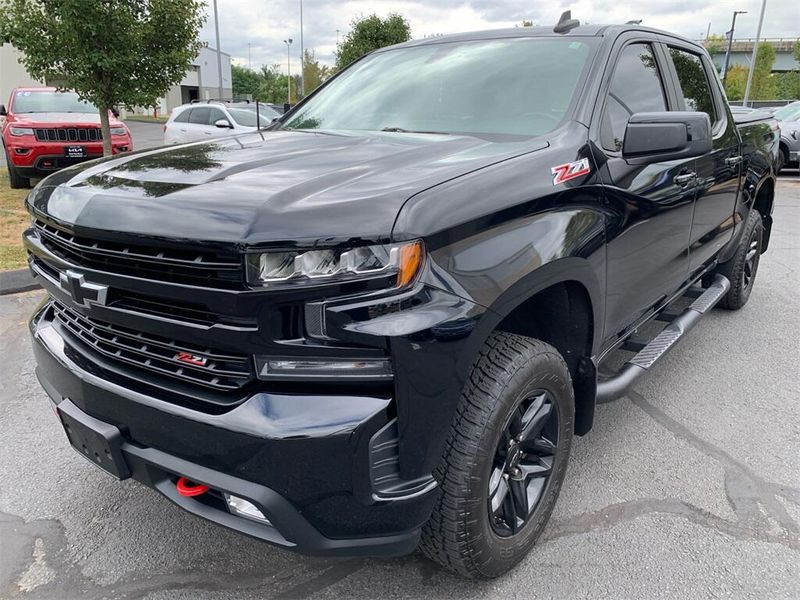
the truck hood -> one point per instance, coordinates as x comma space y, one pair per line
282, 186
60, 118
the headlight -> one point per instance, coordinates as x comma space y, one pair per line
118, 131
20, 131
398, 262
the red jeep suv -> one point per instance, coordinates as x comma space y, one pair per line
46, 130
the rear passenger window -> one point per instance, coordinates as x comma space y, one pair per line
183, 116
199, 116
694, 83
635, 87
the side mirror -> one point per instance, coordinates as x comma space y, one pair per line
223, 124
3, 111
115, 111
659, 136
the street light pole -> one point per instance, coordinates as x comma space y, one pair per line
302, 55
755, 49
288, 70
730, 44
219, 51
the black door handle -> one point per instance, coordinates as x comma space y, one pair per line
732, 161
684, 179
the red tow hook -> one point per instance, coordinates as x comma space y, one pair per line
189, 488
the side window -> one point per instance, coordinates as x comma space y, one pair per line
215, 114
635, 87
183, 116
694, 83
199, 115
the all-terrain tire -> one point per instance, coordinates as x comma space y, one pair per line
742, 268
17, 181
459, 534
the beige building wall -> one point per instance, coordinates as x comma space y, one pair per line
12, 74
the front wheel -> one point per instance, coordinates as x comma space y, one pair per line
505, 459
15, 180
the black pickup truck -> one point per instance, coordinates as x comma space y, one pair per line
379, 324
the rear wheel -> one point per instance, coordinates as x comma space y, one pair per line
505, 459
742, 268
16, 180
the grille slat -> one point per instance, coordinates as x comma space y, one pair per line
221, 371
156, 263
68, 134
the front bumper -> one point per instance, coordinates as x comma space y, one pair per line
306, 472
794, 156
32, 158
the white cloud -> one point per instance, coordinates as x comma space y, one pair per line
265, 25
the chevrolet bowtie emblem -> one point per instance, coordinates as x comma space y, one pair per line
83, 292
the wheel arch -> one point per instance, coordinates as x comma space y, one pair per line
561, 304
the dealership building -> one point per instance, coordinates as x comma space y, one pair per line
201, 81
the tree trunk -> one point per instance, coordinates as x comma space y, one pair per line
105, 130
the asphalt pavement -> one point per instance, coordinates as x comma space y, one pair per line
689, 487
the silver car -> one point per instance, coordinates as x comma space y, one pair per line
789, 119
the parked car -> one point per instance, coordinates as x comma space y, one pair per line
46, 130
379, 324
789, 120
203, 121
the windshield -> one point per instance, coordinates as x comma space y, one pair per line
27, 101
501, 86
788, 113
246, 116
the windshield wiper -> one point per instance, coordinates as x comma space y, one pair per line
401, 130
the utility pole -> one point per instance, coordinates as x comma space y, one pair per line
288, 70
755, 49
730, 44
219, 52
302, 56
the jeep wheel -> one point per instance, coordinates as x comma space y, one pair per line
742, 268
15, 180
505, 458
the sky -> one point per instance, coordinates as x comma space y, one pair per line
264, 24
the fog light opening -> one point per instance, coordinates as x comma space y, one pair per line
244, 508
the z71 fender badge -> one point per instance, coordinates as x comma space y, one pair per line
568, 171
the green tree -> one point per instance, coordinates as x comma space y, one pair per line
114, 52
245, 82
764, 86
370, 33
788, 85
797, 51
735, 82
314, 73
272, 86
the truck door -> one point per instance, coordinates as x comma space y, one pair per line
718, 172
649, 207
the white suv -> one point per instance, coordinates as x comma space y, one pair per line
203, 121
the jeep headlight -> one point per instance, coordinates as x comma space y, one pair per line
399, 263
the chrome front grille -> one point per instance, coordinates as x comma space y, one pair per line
198, 267
188, 363
68, 134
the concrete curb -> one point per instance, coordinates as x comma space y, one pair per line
20, 280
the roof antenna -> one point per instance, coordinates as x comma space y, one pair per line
566, 23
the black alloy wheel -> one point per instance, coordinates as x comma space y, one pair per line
523, 463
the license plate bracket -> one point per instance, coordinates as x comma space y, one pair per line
74, 151
97, 441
